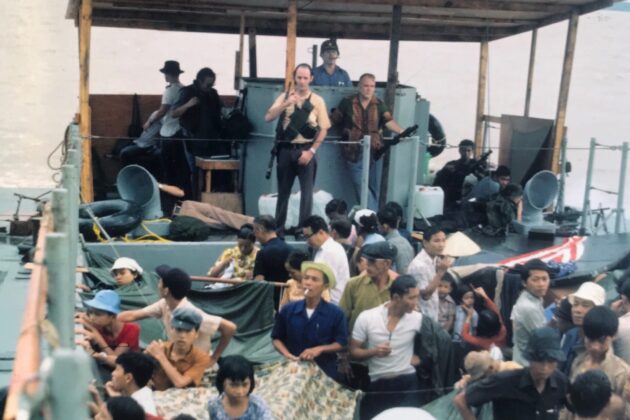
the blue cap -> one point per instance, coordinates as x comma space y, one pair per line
105, 300
186, 319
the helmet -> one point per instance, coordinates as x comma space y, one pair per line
329, 44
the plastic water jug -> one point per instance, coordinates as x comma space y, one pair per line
429, 201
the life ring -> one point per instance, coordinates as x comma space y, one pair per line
438, 138
117, 217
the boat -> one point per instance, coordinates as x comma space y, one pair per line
90, 138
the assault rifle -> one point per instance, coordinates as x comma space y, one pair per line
480, 164
393, 142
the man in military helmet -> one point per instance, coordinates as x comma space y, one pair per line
329, 73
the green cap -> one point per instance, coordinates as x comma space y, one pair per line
322, 267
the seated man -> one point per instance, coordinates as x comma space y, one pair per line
130, 379
238, 262
536, 392
173, 286
384, 337
181, 363
491, 185
312, 329
451, 177
505, 208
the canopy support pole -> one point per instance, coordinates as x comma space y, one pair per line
85, 122
481, 96
563, 96
390, 90
253, 70
291, 35
530, 72
238, 74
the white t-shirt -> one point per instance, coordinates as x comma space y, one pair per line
332, 253
371, 329
170, 125
422, 268
209, 323
144, 397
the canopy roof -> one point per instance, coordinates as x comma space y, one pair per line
422, 20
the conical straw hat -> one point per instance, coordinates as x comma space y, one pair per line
460, 245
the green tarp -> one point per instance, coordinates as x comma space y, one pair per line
249, 306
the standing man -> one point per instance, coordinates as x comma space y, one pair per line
388, 224
198, 110
384, 337
428, 268
328, 251
528, 312
536, 392
329, 73
362, 115
301, 130
312, 329
159, 121
269, 264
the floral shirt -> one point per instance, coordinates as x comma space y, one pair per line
257, 410
242, 264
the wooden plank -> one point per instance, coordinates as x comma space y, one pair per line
390, 89
481, 96
85, 27
253, 63
291, 40
492, 119
563, 96
530, 72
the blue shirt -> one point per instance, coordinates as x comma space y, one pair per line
256, 410
339, 77
298, 332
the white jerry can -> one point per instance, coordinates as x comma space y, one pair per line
429, 201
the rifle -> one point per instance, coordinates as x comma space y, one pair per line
279, 134
393, 142
480, 163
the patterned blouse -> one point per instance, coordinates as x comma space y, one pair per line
243, 264
257, 409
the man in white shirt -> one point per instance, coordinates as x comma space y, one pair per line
173, 286
327, 250
159, 122
384, 338
130, 377
428, 268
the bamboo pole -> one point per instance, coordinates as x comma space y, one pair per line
390, 89
481, 96
253, 64
85, 122
563, 96
239, 57
291, 40
208, 279
28, 347
530, 72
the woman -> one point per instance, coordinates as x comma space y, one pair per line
490, 328
238, 262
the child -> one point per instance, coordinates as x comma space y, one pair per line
130, 378
181, 363
235, 382
125, 271
446, 309
465, 299
294, 290
105, 337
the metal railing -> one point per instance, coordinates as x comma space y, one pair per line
48, 370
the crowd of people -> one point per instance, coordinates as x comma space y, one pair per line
375, 309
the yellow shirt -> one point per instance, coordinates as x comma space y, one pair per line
243, 264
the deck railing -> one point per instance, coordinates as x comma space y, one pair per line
48, 370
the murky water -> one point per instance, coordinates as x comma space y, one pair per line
39, 81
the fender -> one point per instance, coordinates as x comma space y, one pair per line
117, 217
438, 138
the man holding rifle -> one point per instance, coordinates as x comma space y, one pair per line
302, 127
360, 115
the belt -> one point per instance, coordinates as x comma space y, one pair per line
295, 146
